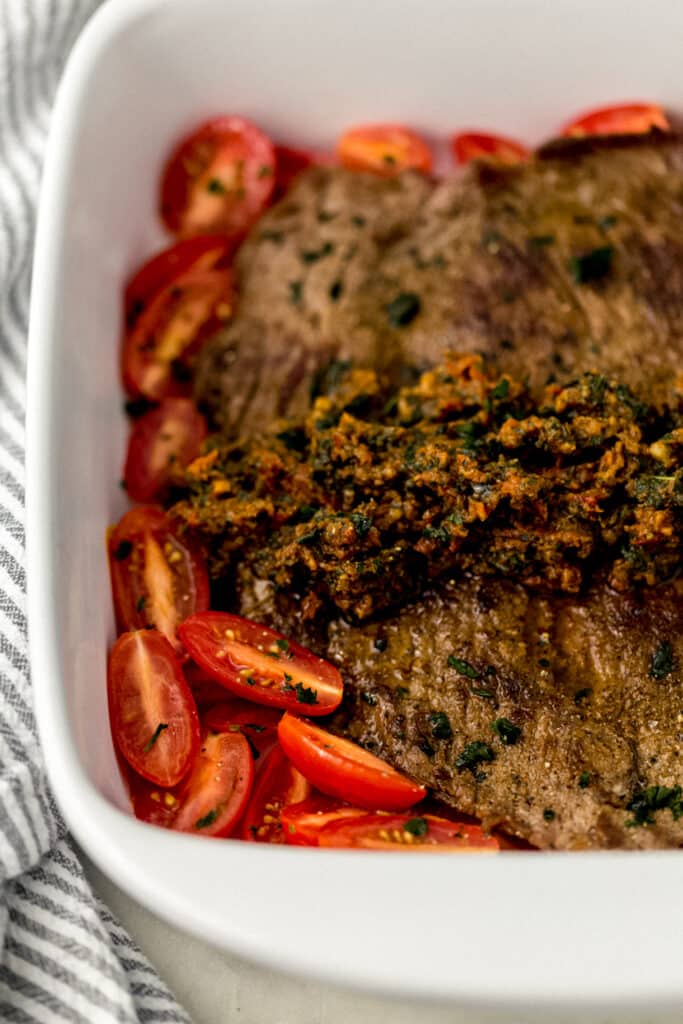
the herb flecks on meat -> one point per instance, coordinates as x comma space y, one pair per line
461, 471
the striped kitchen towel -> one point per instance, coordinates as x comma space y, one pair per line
62, 955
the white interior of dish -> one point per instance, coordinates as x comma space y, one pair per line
303, 69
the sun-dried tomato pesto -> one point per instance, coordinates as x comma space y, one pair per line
370, 498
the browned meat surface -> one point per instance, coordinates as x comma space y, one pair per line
594, 687
571, 263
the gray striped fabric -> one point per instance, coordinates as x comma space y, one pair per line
62, 955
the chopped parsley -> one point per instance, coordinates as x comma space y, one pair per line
646, 802
582, 695
501, 390
480, 691
369, 698
306, 694
362, 523
597, 386
662, 661
265, 171
417, 826
140, 603
250, 681
380, 643
549, 814
440, 726
336, 288
463, 667
207, 820
216, 187
473, 755
123, 551
593, 265
507, 732
155, 736
402, 310
283, 644
584, 780
296, 292
313, 255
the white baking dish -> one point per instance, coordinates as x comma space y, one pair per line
523, 931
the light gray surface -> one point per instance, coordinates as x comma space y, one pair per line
216, 988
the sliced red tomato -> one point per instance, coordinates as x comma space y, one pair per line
202, 252
260, 665
256, 722
151, 803
278, 784
205, 691
385, 149
218, 178
162, 441
159, 351
212, 800
157, 580
302, 822
290, 162
621, 119
340, 768
152, 713
406, 832
468, 146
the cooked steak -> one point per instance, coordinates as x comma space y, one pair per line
547, 717
572, 262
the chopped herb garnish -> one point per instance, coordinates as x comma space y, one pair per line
662, 661
549, 814
479, 691
250, 681
380, 643
265, 171
336, 289
501, 390
403, 691
305, 694
463, 667
507, 732
123, 551
313, 255
216, 186
646, 802
272, 236
582, 695
592, 266
207, 820
140, 603
368, 698
155, 736
136, 407
287, 677
584, 780
296, 291
426, 748
440, 725
417, 826
473, 755
361, 522
402, 310
597, 386
283, 644
358, 221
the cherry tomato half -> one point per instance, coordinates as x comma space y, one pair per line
385, 149
152, 713
492, 148
156, 579
621, 119
202, 252
205, 691
260, 665
162, 441
407, 833
212, 800
219, 178
342, 769
257, 723
302, 822
278, 784
158, 352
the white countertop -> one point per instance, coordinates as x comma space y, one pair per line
216, 988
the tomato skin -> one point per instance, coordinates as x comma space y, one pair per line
261, 665
302, 822
212, 799
467, 146
152, 713
257, 723
201, 252
384, 149
290, 162
278, 784
619, 119
162, 440
388, 832
156, 579
159, 350
205, 691
218, 178
342, 769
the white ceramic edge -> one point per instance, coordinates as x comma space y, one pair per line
139, 858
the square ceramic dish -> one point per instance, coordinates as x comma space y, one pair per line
523, 931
